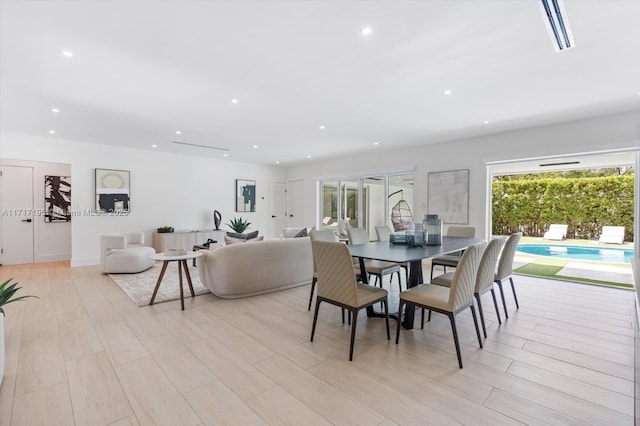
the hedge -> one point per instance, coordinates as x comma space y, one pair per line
585, 204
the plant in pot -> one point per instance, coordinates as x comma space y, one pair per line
7, 295
239, 224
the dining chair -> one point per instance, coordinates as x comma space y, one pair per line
505, 268
337, 285
449, 300
451, 260
484, 278
319, 235
378, 268
384, 234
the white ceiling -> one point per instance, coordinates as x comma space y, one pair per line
143, 69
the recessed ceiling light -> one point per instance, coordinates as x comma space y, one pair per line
67, 53
485, 122
447, 92
234, 101
154, 146
366, 31
376, 143
53, 132
308, 156
255, 147
178, 132
277, 162
322, 127
55, 110
225, 155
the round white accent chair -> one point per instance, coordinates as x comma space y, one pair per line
125, 253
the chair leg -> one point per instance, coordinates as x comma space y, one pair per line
452, 319
399, 281
513, 288
475, 322
353, 333
315, 319
422, 319
429, 318
376, 281
313, 287
400, 306
484, 328
504, 303
495, 304
432, 266
386, 316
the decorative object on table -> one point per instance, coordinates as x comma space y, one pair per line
217, 219
433, 227
112, 191
7, 295
245, 195
175, 251
401, 216
57, 198
165, 229
416, 235
449, 195
239, 224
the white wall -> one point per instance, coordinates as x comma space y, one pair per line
52, 241
166, 189
615, 132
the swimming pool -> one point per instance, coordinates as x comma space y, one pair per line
597, 254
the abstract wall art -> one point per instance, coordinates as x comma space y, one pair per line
57, 199
449, 196
112, 191
245, 195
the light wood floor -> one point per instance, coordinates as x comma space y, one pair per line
84, 354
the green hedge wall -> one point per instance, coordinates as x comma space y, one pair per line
585, 204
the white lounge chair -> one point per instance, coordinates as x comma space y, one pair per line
612, 235
556, 232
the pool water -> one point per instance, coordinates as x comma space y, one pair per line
596, 254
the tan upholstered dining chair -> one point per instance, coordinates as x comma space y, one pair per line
451, 260
449, 300
377, 268
505, 268
384, 234
337, 285
484, 278
319, 235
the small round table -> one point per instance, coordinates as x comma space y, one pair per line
182, 262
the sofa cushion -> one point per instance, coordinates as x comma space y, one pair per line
302, 233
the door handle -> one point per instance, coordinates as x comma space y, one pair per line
290, 215
273, 215
26, 220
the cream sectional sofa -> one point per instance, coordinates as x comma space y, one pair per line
252, 268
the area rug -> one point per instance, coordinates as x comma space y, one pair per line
139, 287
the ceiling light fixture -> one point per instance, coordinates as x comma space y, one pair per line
154, 146
277, 162
67, 53
225, 155
322, 127
376, 143
234, 101
308, 156
447, 92
366, 31
55, 110
53, 132
485, 122
178, 132
555, 19
255, 147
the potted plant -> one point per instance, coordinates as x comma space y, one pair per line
239, 224
165, 229
7, 292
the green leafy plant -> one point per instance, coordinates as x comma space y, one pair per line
165, 229
239, 224
7, 292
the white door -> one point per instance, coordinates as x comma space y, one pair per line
16, 199
277, 206
296, 203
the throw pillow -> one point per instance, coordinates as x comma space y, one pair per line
231, 240
302, 233
251, 235
237, 235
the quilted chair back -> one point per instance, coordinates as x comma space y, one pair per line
357, 236
383, 233
461, 231
487, 268
464, 279
505, 265
322, 235
336, 278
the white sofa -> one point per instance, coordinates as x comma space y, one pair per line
125, 253
252, 268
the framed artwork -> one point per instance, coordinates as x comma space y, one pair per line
112, 191
245, 195
57, 199
449, 196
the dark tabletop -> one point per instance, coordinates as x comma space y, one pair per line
403, 253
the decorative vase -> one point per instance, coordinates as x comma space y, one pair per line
217, 219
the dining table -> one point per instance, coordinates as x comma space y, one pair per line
413, 255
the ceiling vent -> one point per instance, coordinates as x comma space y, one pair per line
564, 163
555, 19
